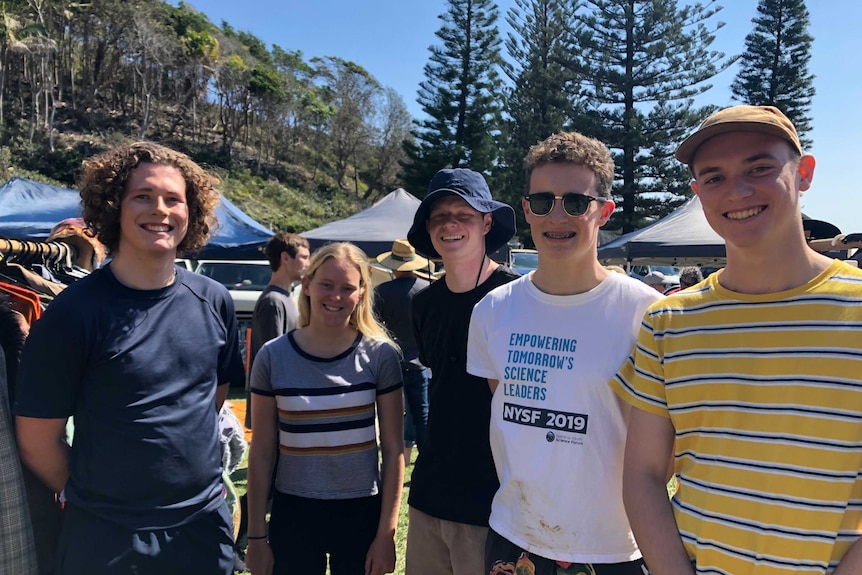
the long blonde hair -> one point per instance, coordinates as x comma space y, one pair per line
362, 319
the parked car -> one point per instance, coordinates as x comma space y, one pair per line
245, 279
523, 260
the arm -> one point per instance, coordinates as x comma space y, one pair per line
852, 561
261, 460
381, 555
493, 383
649, 445
43, 448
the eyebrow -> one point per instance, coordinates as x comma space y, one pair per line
748, 160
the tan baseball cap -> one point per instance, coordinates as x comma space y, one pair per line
763, 119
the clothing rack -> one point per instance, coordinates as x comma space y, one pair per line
34, 249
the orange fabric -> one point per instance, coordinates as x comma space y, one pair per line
24, 301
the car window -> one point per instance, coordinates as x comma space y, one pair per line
237, 275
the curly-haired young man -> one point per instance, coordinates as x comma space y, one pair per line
140, 352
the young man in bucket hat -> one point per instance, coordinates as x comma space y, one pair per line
752, 380
392, 306
454, 479
548, 343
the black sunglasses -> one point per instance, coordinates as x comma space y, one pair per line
574, 204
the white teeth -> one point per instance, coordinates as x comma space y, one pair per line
559, 236
157, 228
743, 214
451, 238
330, 308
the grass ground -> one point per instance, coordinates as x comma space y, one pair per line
240, 476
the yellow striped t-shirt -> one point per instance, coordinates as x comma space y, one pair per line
765, 395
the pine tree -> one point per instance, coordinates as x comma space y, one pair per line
774, 66
643, 62
460, 95
540, 101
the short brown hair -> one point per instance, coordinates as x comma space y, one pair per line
574, 148
283, 242
103, 184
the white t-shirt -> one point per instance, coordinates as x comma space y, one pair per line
557, 432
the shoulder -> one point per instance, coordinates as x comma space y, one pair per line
503, 293
502, 275
201, 285
634, 289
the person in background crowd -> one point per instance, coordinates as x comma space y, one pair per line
140, 352
318, 389
753, 380
548, 343
18, 551
656, 280
275, 312
688, 276
392, 306
454, 479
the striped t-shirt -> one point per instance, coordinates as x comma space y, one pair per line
765, 395
326, 414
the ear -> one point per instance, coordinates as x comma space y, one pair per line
305, 281
806, 171
694, 189
487, 221
608, 208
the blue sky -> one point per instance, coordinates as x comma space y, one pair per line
390, 38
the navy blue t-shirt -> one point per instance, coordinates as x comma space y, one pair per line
138, 369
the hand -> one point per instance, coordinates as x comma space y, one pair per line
381, 556
258, 557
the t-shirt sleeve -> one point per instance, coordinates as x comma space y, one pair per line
261, 373
270, 319
389, 370
53, 364
230, 366
479, 360
640, 380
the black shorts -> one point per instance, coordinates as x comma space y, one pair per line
502, 557
303, 532
90, 544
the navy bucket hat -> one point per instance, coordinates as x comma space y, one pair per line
471, 187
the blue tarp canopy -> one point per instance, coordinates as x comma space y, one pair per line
28, 211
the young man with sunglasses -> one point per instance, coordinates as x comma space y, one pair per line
547, 343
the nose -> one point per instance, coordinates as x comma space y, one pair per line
160, 206
558, 214
741, 186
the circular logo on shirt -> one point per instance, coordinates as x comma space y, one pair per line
549, 437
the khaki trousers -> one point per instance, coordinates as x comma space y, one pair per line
440, 547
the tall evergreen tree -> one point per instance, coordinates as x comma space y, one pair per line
460, 96
540, 100
774, 66
643, 62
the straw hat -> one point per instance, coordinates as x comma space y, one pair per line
402, 258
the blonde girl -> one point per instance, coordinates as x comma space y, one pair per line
318, 390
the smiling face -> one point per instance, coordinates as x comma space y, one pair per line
558, 233
334, 292
456, 229
750, 186
154, 215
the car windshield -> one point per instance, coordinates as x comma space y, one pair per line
237, 275
525, 260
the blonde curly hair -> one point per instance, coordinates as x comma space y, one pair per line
574, 148
103, 184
